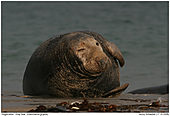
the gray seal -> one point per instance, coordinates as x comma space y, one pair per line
163, 89
77, 64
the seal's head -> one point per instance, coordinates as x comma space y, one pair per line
90, 53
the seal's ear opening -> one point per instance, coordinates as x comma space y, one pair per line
115, 52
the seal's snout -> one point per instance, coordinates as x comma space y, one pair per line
104, 63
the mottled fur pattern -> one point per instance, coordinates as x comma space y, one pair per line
58, 66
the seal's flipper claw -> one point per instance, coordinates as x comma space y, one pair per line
116, 92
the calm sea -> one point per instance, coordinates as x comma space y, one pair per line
139, 29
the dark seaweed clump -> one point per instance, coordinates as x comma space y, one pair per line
85, 106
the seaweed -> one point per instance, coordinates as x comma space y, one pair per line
85, 106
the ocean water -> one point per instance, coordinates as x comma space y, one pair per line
139, 29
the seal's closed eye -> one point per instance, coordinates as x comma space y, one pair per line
80, 49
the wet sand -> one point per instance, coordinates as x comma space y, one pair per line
14, 103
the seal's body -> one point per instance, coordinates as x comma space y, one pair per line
78, 64
163, 89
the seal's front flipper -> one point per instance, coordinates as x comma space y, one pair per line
115, 52
116, 92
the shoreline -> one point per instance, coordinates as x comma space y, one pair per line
25, 104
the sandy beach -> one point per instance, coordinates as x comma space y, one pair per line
13, 103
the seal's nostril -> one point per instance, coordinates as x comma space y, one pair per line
104, 63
